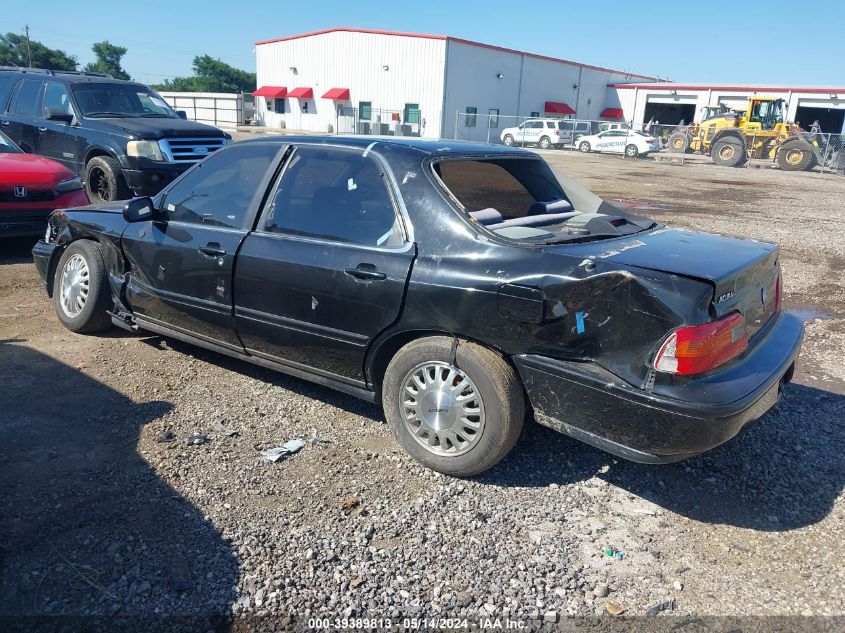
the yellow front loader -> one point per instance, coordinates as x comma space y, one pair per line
731, 138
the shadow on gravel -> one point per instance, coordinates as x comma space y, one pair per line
16, 250
783, 473
86, 527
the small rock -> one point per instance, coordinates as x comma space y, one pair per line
405, 594
601, 591
356, 582
560, 592
678, 585
614, 609
550, 616
463, 599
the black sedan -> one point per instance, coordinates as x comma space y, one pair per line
461, 285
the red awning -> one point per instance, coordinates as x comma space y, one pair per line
612, 113
271, 92
301, 93
553, 107
337, 94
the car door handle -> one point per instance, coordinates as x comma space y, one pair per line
368, 274
212, 249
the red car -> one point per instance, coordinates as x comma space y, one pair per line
31, 187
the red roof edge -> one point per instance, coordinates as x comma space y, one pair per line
558, 107
612, 113
349, 29
663, 86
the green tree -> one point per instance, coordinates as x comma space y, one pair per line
211, 75
108, 61
13, 52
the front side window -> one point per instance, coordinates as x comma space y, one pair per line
335, 194
112, 100
55, 98
7, 146
471, 115
26, 99
220, 191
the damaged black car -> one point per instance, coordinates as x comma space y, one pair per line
460, 285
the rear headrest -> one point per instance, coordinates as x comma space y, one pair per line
555, 206
487, 216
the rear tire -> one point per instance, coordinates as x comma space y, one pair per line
508, 140
796, 156
81, 293
631, 151
545, 143
458, 413
584, 146
104, 180
729, 152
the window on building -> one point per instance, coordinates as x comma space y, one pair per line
494, 117
535, 114
335, 194
220, 191
303, 105
365, 110
471, 116
279, 106
412, 113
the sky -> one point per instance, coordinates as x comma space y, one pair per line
713, 42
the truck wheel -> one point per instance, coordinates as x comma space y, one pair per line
508, 140
104, 181
631, 151
796, 156
729, 152
584, 146
545, 143
457, 412
679, 143
81, 290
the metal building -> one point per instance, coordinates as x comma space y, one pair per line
669, 103
381, 82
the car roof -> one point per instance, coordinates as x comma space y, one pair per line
68, 75
431, 147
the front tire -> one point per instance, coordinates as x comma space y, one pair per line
584, 146
104, 180
729, 152
81, 293
508, 140
679, 143
796, 156
458, 413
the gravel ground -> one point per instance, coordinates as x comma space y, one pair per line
100, 517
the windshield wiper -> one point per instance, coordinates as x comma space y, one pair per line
107, 114
155, 115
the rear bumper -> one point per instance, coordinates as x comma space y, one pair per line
683, 420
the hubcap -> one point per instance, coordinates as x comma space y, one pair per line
794, 156
727, 152
74, 286
442, 409
678, 143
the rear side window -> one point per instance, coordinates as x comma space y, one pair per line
25, 101
335, 194
7, 82
220, 191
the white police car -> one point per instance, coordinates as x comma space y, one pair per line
629, 142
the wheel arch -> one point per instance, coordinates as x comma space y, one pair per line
384, 349
56, 256
98, 150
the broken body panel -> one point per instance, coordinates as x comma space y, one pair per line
581, 322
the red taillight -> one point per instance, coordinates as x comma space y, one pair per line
695, 349
557, 132
778, 293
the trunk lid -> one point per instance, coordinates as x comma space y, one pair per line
743, 273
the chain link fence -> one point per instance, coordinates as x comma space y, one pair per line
675, 144
380, 121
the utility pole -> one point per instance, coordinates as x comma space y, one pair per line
28, 49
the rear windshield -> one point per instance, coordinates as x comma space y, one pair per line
524, 200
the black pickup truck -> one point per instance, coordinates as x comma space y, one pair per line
120, 137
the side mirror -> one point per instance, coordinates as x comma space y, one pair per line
57, 114
182, 114
138, 210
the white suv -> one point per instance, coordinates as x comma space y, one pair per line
542, 132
